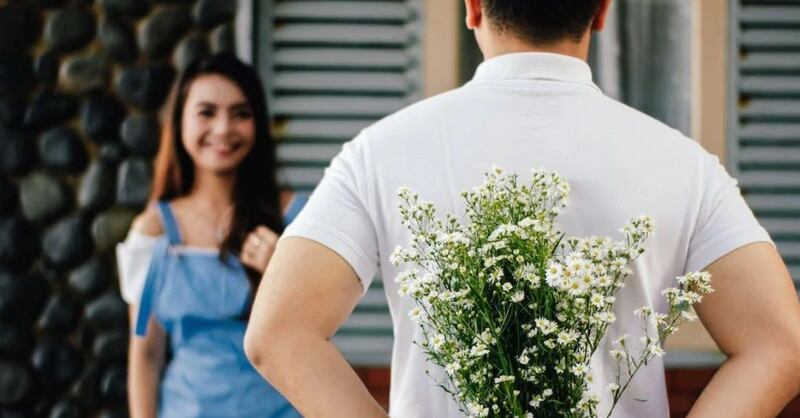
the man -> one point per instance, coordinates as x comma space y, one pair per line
531, 104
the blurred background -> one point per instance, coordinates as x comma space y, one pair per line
82, 81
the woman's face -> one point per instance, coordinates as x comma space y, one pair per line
218, 128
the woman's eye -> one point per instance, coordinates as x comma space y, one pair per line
243, 114
206, 113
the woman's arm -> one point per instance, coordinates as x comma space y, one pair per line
145, 361
145, 353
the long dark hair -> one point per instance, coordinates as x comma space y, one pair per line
255, 193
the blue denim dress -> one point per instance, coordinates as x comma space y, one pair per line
200, 302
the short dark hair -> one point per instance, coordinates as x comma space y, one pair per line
542, 21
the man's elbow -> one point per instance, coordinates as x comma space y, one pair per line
262, 347
792, 357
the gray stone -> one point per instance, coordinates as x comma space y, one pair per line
97, 187
59, 314
113, 386
190, 49
91, 277
18, 243
9, 196
145, 87
84, 73
140, 134
61, 149
68, 243
112, 153
118, 40
66, 408
43, 197
19, 411
85, 389
17, 151
107, 312
111, 346
12, 108
22, 297
19, 27
48, 4
49, 109
210, 13
125, 8
69, 28
116, 412
161, 30
46, 68
133, 182
16, 340
16, 74
223, 39
57, 362
110, 228
100, 117
16, 382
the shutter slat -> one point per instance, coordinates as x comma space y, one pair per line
337, 106
769, 178
771, 86
342, 58
766, 61
766, 203
343, 34
771, 109
348, 82
770, 131
781, 226
377, 322
789, 249
303, 178
288, 152
770, 16
365, 350
770, 155
771, 39
343, 10
320, 129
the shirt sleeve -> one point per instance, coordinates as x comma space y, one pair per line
724, 221
337, 215
133, 260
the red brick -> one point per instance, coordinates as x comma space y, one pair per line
680, 404
690, 380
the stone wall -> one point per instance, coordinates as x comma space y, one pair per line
81, 83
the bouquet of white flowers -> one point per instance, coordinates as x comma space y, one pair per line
513, 310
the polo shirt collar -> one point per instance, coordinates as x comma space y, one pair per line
535, 65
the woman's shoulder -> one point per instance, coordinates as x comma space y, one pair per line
148, 222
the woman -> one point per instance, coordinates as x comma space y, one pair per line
192, 260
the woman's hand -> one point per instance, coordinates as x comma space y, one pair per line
258, 248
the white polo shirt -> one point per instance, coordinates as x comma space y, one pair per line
523, 111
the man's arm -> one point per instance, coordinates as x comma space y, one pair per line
754, 317
307, 292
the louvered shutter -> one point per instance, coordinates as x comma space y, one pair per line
333, 67
764, 128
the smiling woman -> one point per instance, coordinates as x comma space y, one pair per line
192, 260
218, 128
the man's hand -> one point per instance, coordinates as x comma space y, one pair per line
754, 316
306, 294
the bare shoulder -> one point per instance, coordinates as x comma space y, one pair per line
148, 222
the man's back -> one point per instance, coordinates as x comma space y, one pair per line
521, 112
